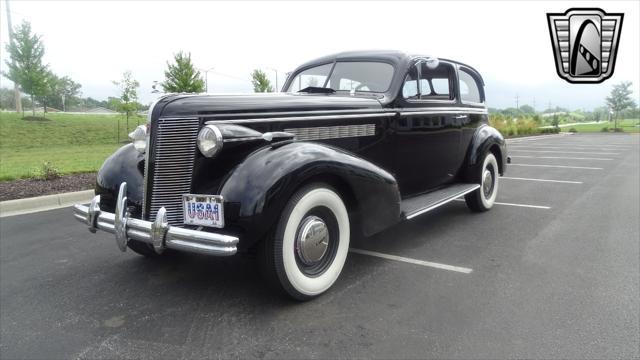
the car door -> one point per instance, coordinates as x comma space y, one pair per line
427, 143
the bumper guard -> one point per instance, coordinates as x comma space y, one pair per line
157, 233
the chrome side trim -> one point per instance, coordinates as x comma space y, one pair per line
294, 113
332, 132
158, 233
224, 118
303, 118
442, 202
436, 111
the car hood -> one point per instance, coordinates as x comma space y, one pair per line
198, 105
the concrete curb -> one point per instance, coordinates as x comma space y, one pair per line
42, 203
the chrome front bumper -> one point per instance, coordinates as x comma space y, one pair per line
157, 233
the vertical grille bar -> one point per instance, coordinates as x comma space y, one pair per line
173, 156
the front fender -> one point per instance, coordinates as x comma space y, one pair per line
484, 139
123, 165
263, 183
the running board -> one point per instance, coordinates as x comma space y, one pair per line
421, 204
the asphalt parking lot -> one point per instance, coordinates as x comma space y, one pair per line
551, 272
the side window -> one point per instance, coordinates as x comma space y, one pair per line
410, 88
311, 77
435, 84
469, 88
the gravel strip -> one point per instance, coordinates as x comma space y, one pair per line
19, 189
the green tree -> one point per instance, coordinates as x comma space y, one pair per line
620, 99
128, 94
50, 91
260, 82
181, 76
69, 91
26, 67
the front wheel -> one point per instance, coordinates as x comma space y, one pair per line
309, 248
487, 176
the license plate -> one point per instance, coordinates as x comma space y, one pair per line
203, 210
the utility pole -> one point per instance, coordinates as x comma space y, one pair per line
534, 103
206, 79
276, 71
517, 105
16, 87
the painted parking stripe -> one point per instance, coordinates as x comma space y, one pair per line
518, 205
589, 145
559, 166
580, 148
541, 180
558, 157
412, 261
564, 152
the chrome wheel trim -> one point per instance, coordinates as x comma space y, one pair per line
487, 183
312, 240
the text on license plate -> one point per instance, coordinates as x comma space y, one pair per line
204, 210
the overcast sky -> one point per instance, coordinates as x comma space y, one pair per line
508, 42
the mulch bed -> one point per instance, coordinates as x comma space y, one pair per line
19, 189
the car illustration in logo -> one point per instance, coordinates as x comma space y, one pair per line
585, 43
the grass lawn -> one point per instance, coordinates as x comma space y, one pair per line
628, 125
72, 143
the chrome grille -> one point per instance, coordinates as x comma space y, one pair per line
173, 154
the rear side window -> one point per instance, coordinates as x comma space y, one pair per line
469, 88
435, 84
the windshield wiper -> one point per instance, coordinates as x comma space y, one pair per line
317, 90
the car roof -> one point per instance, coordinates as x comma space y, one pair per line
395, 57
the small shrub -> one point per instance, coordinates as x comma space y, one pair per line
618, 130
573, 130
48, 171
605, 129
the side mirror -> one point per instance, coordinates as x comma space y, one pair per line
432, 63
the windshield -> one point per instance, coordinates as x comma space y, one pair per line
346, 76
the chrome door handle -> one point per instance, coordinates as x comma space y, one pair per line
461, 116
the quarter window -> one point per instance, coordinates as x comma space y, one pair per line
469, 89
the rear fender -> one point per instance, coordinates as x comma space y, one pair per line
487, 138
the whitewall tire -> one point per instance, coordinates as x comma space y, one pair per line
311, 242
487, 176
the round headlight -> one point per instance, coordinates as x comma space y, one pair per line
210, 140
139, 138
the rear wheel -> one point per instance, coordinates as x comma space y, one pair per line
309, 248
487, 176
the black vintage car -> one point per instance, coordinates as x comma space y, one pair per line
357, 142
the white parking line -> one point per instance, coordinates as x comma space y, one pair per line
559, 166
581, 148
519, 205
564, 152
576, 144
412, 261
558, 157
541, 180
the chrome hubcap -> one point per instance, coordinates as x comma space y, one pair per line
312, 240
487, 183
